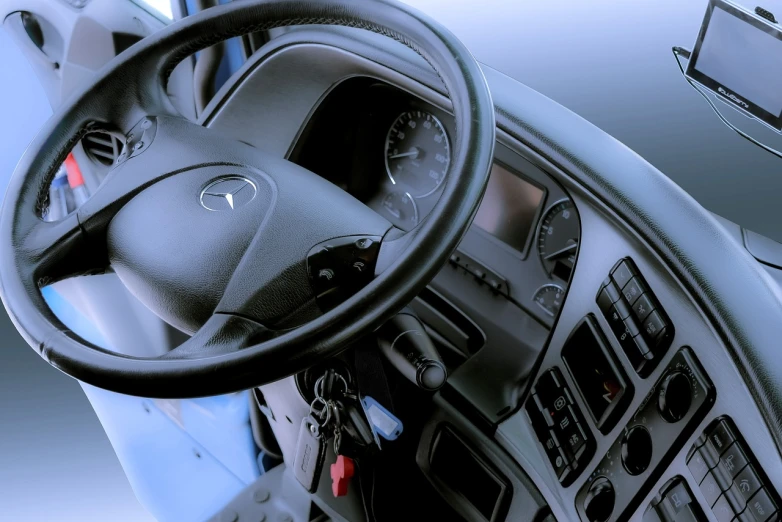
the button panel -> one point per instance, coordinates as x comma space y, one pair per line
482, 274
560, 426
634, 464
638, 321
745, 492
675, 503
337, 268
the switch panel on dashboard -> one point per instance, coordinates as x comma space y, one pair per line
639, 322
653, 436
560, 426
674, 503
730, 478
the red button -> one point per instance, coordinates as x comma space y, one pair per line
341, 473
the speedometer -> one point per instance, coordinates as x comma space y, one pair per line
417, 153
558, 238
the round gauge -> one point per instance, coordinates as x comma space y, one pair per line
549, 298
558, 239
417, 153
402, 209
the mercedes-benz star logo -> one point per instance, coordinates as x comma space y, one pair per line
228, 193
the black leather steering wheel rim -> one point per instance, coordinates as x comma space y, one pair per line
131, 88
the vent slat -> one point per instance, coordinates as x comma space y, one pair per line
100, 141
102, 148
103, 154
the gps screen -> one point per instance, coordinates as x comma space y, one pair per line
740, 58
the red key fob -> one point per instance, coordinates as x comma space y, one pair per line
341, 472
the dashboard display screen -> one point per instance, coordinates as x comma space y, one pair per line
509, 207
739, 58
598, 379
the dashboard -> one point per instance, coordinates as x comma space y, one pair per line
587, 373
392, 151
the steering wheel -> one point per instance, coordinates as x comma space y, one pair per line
220, 239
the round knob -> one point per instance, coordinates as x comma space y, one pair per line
636, 450
675, 397
599, 501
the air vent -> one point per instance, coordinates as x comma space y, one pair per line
102, 148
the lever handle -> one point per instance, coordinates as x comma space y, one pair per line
406, 345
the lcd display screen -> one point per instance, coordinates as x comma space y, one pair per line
739, 57
598, 378
509, 207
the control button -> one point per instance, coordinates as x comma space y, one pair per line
722, 510
664, 338
636, 450
747, 482
573, 438
326, 276
558, 459
697, 466
633, 343
711, 488
677, 504
565, 474
536, 418
721, 437
608, 296
549, 390
710, 455
733, 460
735, 499
675, 397
364, 243
359, 266
642, 308
745, 516
653, 325
761, 506
633, 290
622, 273
617, 314
678, 497
478, 273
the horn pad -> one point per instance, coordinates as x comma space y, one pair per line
177, 243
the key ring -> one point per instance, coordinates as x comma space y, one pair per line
326, 410
319, 385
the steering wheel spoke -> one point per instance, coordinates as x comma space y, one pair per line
59, 249
220, 335
157, 147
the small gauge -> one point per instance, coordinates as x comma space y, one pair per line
549, 298
402, 209
417, 153
558, 238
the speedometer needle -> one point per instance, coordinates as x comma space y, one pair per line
561, 251
413, 154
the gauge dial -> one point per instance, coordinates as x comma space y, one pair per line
549, 298
417, 153
558, 238
402, 209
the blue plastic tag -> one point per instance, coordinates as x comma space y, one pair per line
381, 420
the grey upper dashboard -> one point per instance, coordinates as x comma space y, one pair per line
725, 307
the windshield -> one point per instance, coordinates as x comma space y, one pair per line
611, 62
160, 8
